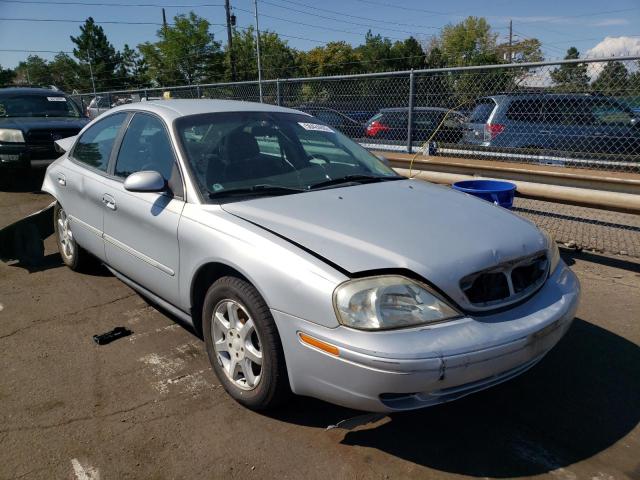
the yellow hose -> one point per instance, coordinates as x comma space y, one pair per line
433, 135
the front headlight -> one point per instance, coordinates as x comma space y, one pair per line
553, 253
388, 301
11, 135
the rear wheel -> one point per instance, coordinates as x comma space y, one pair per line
73, 255
243, 344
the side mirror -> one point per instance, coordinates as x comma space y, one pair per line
146, 181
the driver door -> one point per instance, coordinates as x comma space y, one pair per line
141, 228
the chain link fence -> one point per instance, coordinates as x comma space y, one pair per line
574, 114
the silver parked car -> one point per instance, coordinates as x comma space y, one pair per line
308, 264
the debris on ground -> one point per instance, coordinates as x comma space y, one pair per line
353, 422
115, 334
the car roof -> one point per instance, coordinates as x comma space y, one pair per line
31, 90
172, 109
523, 96
415, 109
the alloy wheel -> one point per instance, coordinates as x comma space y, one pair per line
237, 344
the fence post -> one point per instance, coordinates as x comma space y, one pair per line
146, 95
109, 99
278, 92
198, 93
410, 116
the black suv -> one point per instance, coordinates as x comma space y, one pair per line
31, 120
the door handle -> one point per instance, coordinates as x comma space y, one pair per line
109, 202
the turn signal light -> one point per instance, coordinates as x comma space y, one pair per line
314, 342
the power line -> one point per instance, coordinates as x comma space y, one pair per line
346, 21
39, 2
321, 27
106, 22
402, 7
376, 20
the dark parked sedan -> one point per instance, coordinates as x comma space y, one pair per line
437, 124
337, 120
31, 120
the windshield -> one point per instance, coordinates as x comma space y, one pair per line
29, 105
272, 153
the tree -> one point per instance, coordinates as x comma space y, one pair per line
93, 48
571, 77
334, 58
132, 69
376, 53
278, 60
67, 75
523, 51
407, 55
186, 53
6, 76
33, 71
613, 80
470, 42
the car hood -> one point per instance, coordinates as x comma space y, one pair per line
42, 123
434, 231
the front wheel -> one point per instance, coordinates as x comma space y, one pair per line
243, 344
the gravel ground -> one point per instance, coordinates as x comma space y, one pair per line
148, 406
585, 228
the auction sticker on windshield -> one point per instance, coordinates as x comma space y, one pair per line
315, 126
56, 99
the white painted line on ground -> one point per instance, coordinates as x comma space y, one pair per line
84, 472
1, 307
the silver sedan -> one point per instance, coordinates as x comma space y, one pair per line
308, 265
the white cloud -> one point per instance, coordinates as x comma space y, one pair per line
610, 22
612, 47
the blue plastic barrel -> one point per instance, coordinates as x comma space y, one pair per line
500, 193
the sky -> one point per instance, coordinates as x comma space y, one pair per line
596, 28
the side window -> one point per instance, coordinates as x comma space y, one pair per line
608, 113
94, 146
145, 146
526, 111
569, 111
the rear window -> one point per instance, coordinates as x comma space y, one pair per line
482, 111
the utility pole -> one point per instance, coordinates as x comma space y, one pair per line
92, 80
255, 5
164, 20
510, 41
232, 57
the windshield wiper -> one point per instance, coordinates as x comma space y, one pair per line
256, 190
354, 179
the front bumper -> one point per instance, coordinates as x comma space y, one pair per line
419, 367
25, 156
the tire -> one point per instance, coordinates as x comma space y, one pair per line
251, 335
73, 255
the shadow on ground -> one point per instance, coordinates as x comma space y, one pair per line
22, 180
581, 399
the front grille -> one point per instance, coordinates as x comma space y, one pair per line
40, 142
505, 283
48, 136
